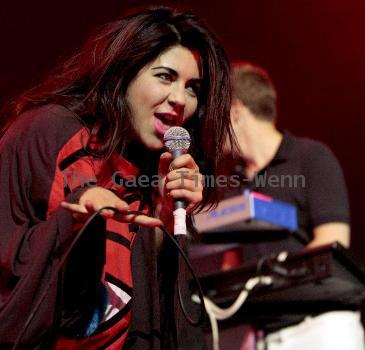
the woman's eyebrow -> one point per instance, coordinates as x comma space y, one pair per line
197, 80
170, 70
175, 73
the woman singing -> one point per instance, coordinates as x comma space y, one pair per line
73, 145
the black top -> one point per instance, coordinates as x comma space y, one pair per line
41, 164
307, 174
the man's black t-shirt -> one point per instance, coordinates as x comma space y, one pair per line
304, 173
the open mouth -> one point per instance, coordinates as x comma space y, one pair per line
166, 119
163, 122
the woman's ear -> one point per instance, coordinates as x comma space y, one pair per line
235, 110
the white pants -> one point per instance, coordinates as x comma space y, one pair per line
336, 330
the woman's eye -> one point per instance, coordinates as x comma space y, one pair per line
193, 90
164, 76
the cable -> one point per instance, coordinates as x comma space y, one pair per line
216, 313
75, 240
200, 291
273, 263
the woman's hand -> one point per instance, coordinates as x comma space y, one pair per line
180, 179
96, 198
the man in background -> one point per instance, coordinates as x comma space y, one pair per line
302, 172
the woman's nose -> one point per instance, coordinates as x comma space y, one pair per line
177, 96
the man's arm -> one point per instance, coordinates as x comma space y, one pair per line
327, 196
329, 233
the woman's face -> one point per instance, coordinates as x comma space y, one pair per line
164, 93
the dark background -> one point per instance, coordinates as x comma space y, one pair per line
313, 49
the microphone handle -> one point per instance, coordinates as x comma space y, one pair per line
178, 204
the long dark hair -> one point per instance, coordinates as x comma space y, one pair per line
94, 81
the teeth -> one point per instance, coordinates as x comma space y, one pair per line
165, 119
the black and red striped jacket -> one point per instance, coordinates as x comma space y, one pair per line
42, 162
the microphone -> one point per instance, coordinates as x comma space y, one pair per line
177, 142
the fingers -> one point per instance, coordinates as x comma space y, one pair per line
92, 201
184, 173
167, 164
147, 221
190, 191
191, 198
94, 207
139, 219
183, 180
164, 164
183, 161
74, 208
184, 183
82, 212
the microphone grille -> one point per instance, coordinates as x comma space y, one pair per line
176, 138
